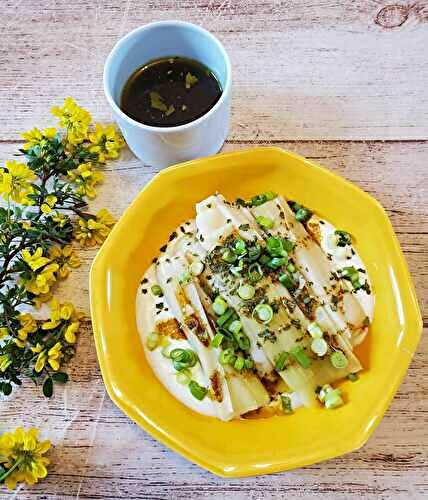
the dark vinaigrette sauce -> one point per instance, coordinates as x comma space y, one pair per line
170, 91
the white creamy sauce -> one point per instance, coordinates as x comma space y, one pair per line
148, 315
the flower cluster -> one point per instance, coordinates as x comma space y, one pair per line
22, 457
45, 212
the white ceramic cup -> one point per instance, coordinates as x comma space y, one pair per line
163, 146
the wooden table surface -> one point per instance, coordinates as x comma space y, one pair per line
341, 82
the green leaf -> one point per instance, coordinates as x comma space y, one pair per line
60, 377
6, 388
48, 387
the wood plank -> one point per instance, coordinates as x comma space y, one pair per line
302, 70
99, 453
394, 172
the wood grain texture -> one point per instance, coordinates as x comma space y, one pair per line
342, 83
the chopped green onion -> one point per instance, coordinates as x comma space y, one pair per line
227, 357
303, 214
275, 247
281, 361
264, 313
288, 282
255, 272
217, 340
294, 206
264, 222
240, 248
344, 238
288, 245
196, 268
228, 256
197, 391
353, 377
351, 274
300, 356
165, 351
325, 389
291, 268
242, 340
277, 262
185, 278
237, 270
152, 341
339, 360
319, 346
225, 317
315, 330
254, 252
235, 326
262, 198
239, 363
156, 290
219, 305
248, 363
333, 399
264, 259
184, 377
183, 358
246, 292
286, 404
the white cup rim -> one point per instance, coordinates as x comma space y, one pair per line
134, 33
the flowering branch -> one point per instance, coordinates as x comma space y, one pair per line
46, 209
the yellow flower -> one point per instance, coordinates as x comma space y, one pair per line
94, 230
35, 137
5, 362
60, 219
106, 142
74, 119
48, 203
53, 357
28, 325
36, 260
41, 282
85, 177
21, 453
4, 332
15, 182
26, 224
65, 257
70, 332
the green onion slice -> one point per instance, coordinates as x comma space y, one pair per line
303, 214
237, 270
281, 361
277, 262
239, 363
152, 341
224, 318
300, 356
197, 390
319, 346
333, 399
343, 238
254, 252
227, 357
339, 360
286, 404
248, 363
264, 222
156, 290
228, 256
219, 305
288, 282
217, 340
315, 330
255, 272
239, 247
275, 247
196, 268
264, 313
353, 377
242, 340
235, 326
246, 292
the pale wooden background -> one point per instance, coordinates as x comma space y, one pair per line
341, 82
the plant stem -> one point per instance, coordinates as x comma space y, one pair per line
9, 471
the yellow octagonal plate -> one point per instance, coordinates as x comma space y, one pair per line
250, 447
